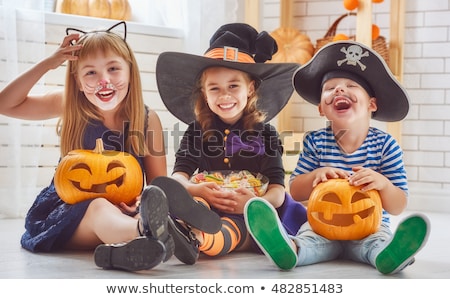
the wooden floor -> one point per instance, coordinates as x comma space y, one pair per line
432, 262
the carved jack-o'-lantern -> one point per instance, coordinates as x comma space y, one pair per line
339, 211
87, 174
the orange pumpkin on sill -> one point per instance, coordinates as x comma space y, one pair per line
86, 174
340, 211
293, 46
109, 9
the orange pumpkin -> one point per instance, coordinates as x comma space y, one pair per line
340, 211
350, 4
340, 36
120, 10
80, 7
375, 32
87, 174
99, 8
110, 9
293, 46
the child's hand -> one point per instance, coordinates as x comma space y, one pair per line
368, 178
240, 197
324, 173
215, 196
130, 210
64, 52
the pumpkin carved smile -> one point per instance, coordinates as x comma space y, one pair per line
340, 211
99, 188
345, 219
86, 174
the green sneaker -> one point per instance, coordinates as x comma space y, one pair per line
265, 227
410, 236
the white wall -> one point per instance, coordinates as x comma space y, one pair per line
426, 129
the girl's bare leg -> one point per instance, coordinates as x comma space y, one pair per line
103, 223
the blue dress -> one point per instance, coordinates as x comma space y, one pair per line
50, 222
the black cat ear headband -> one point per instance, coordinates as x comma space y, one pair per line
124, 31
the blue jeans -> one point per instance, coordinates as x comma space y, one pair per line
314, 248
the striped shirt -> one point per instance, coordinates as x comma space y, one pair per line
379, 151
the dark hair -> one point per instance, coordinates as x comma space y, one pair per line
251, 117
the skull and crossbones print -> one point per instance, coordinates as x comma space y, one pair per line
353, 55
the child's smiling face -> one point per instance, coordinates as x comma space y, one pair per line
226, 92
104, 79
345, 100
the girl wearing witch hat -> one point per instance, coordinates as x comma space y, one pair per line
227, 96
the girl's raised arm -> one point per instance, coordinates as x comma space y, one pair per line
15, 100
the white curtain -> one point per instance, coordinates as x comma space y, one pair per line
22, 39
22, 43
199, 19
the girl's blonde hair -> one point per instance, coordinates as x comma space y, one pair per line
251, 116
78, 110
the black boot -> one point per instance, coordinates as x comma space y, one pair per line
184, 207
186, 244
154, 211
155, 243
141, 253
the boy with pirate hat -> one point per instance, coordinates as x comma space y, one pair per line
351, 84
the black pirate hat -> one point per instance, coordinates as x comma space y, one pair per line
360, 63
238, 46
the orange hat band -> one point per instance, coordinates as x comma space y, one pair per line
229, 54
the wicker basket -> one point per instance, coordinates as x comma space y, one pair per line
379, 44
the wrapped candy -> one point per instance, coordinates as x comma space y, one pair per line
230, 180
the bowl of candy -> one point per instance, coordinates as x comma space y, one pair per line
233, 179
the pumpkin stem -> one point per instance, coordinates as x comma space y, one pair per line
99, 146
